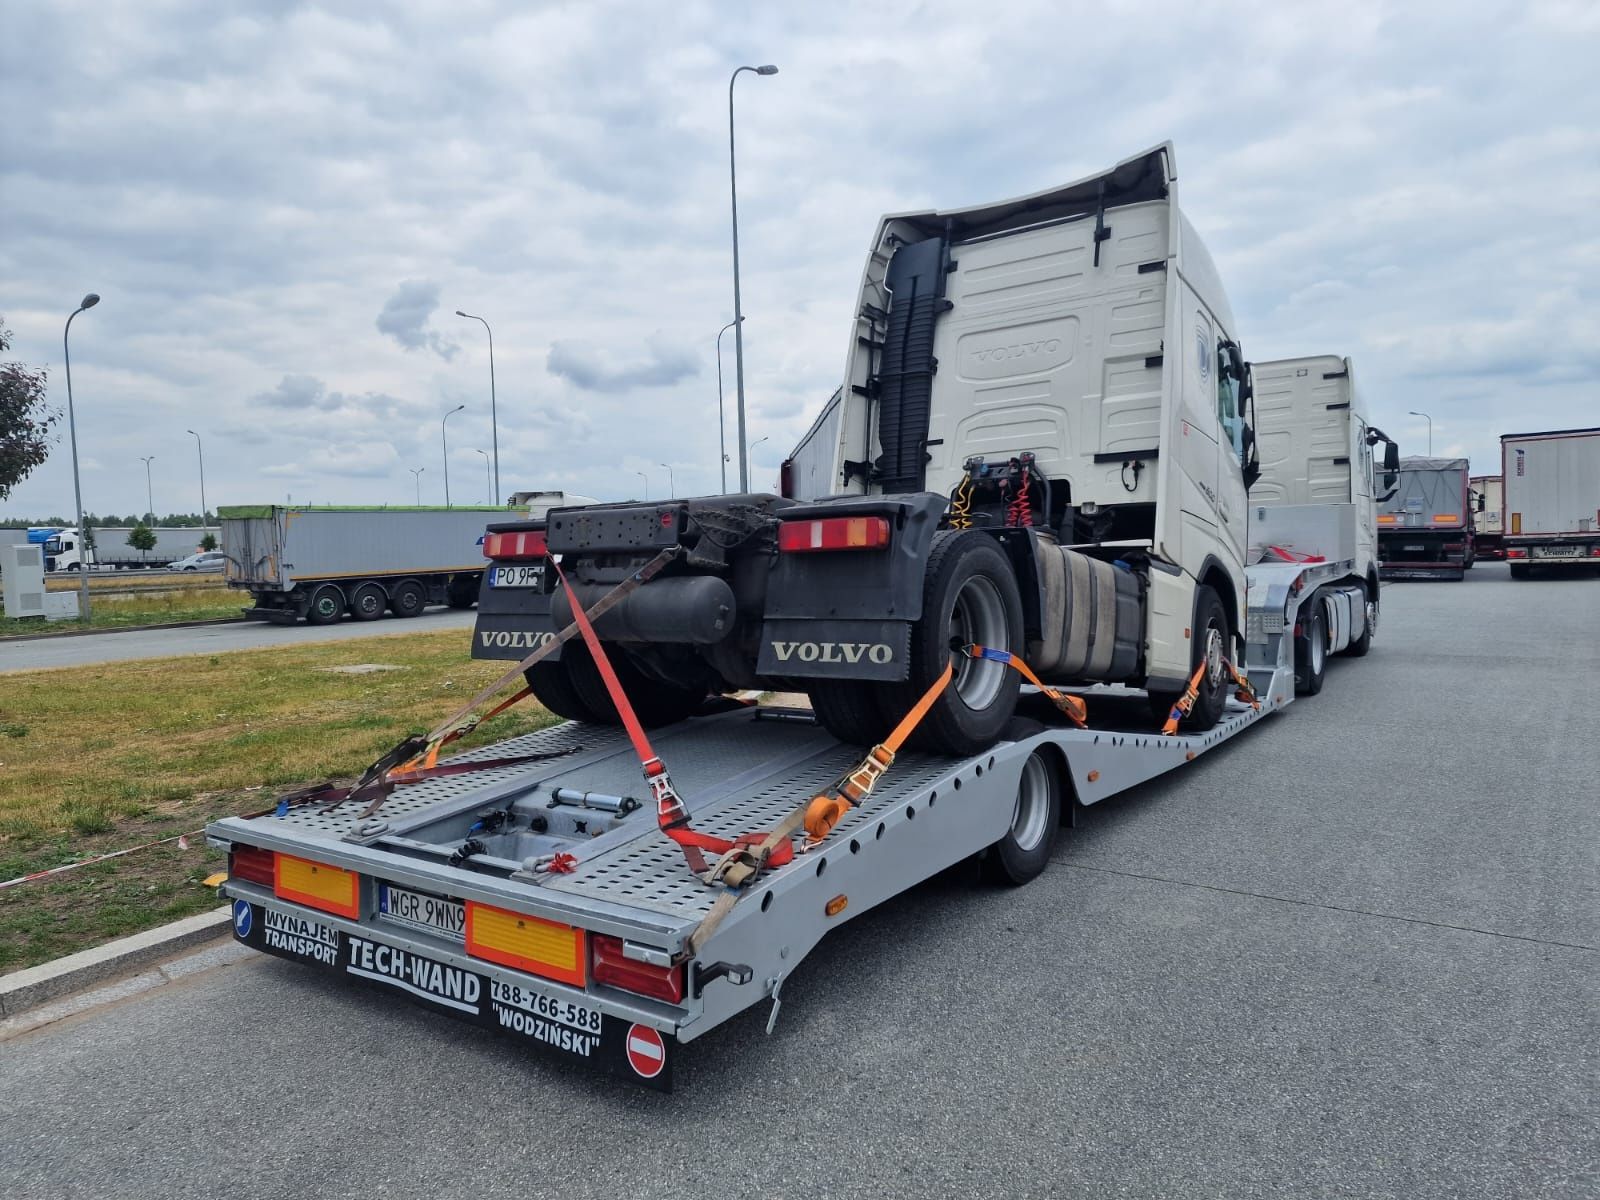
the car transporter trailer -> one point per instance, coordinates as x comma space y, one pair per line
525, 887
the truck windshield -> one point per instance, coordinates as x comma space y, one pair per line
53, 546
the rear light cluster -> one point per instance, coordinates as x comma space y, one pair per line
253, 865
613, 967
1516, 552
834, 533
502, 546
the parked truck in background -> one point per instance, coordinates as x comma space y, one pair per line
321, 562
1041, 446
1552, 500
1488, 507
1317, 495
64, 549
1425, 530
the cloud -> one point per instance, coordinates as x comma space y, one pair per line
405, 318
589, 365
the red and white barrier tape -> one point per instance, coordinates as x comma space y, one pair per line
183, 844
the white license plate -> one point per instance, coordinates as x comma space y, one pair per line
523, 575
563, 1012
419, 910
1416, 548
1555, 552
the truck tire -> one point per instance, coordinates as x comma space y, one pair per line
1210, 645
1521, 571
1311, 651
1362, 644
326, 605
409, 598
850, 711
655, 703
462, 591
368, 602
554, 690
969, 595
1025, 850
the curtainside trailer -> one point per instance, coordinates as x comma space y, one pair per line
321, 563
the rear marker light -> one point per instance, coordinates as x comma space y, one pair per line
613, 967
532, 944
501, 546
836, 906
251, 864
834, 533
317, 885
1513, 552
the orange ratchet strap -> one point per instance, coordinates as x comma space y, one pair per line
1072, 707
671, 815
1242, 691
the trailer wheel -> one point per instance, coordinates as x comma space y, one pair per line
1025, 850
1521, 571
368, 602
409, 598
969, 596
1311, 651
654, 702
1210, 646
326, 606
554, 690
1359, 647
462, 591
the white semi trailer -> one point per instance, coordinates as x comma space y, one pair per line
1552, 500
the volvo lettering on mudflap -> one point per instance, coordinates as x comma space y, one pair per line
1069, 486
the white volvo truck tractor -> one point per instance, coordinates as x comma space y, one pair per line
1040, 446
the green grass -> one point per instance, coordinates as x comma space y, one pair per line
162, 607
98, 758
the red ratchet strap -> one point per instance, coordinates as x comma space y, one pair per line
671, 815
1072, 707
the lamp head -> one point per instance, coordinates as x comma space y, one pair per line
459, 313
90, 300
769, 69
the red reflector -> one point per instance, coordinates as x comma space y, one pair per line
251, 864
516, 545
1514, 552
834, 533
1594, 551
642, 979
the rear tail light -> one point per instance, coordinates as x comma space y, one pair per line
1594, 551
1455, 545
501, 546
1514, 552
532, 944
612, 967
317, 885
834, 533
251, 864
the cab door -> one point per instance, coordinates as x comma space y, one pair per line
1230, 429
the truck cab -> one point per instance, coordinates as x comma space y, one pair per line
65, 551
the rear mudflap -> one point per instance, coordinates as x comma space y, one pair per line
827, 649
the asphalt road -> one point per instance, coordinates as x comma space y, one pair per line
1352, 953
32, 655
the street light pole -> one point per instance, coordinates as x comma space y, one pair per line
494, 418
672, 482
738, 311
444, 442
646, 480
416, 474
89, 301
488, 483
722, 431
201, 450
1414, 413
149, 495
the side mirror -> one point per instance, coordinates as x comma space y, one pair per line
1483, 502
1391, 458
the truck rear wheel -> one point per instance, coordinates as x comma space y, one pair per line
462, 591
326, 606
1025, 850
409, 598
1210, 646
369, 602
554, 690
654, 702
969, 596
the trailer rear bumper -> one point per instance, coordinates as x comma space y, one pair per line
638, 1046
1422, 570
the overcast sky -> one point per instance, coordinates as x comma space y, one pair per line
282, 207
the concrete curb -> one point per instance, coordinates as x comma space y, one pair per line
34, 986
66, 633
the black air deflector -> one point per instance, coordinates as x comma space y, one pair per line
905, 378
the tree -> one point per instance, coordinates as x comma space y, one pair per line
25, 419
209, 542
141, 539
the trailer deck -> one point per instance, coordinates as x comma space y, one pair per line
396, 899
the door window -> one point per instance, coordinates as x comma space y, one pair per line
1229, 369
